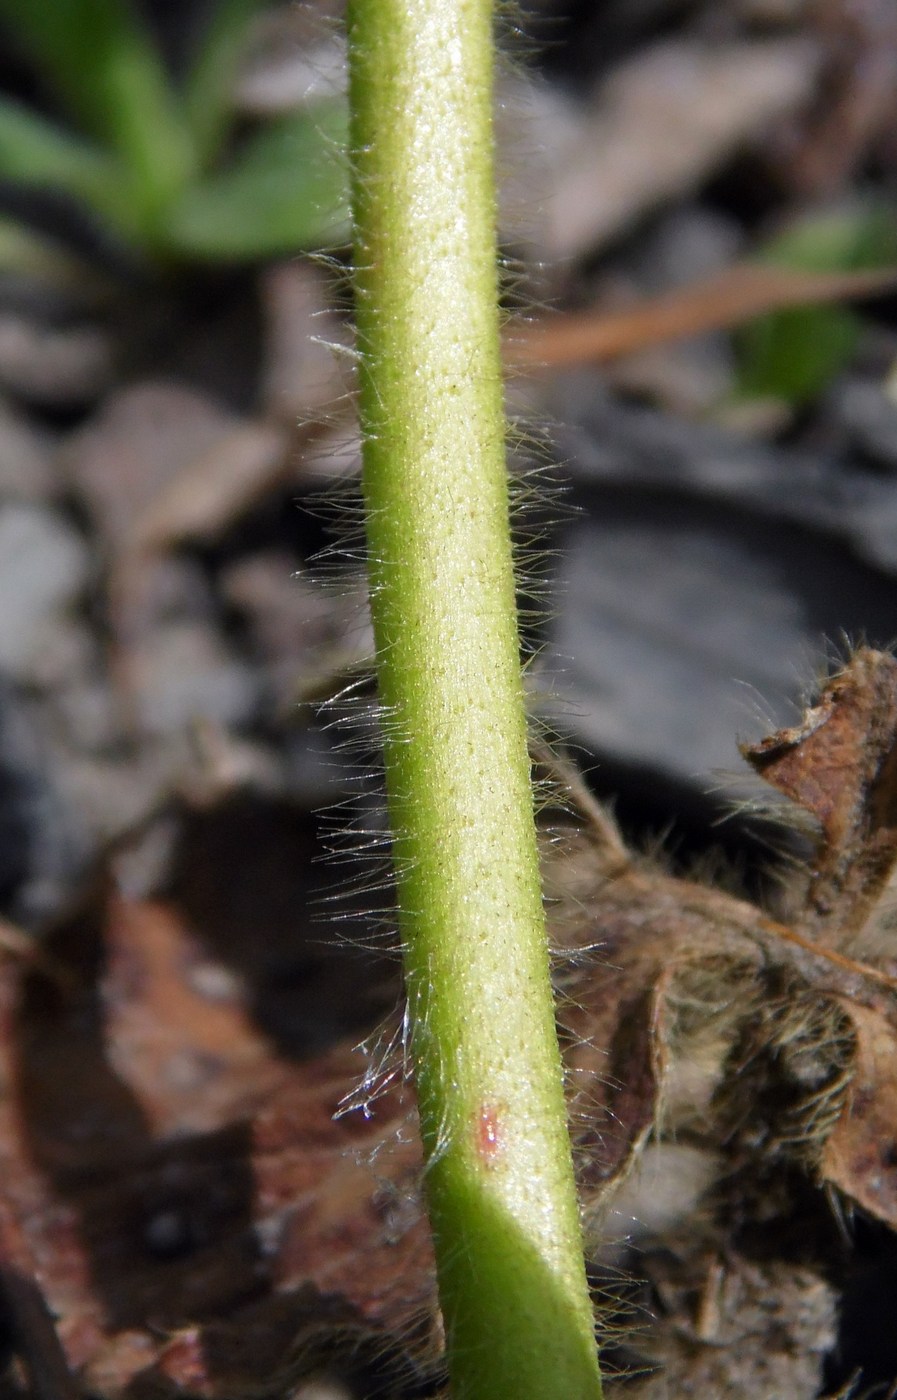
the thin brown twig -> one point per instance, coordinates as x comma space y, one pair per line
727, 299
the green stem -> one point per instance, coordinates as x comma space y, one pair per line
488, 1072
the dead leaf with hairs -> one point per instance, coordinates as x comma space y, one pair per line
840, 766
772, 1040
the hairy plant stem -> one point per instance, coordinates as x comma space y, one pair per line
488, 1073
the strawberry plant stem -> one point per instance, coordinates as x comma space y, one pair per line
488, 1073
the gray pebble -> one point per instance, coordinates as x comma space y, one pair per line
182, 673
44, 565
868, 415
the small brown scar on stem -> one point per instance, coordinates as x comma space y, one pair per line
488, 1135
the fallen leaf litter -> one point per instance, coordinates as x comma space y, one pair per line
203, 1216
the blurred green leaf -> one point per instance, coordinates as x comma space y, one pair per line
287, 189
793, 355
100, 60
36, 152
841, 241
208, 90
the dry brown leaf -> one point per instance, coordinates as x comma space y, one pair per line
840, 765
853, 116
139, 442
215, 488
860, 1154
161, 463
697, 1015
662, 123
163, 1167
